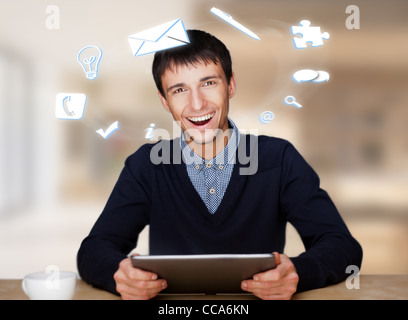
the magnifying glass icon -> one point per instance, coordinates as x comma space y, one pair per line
292, 100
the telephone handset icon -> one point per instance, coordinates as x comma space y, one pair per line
66, 107
70, 106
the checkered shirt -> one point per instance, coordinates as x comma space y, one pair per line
211, 177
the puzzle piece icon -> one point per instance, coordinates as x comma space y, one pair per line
311, 35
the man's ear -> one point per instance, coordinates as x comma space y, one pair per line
232, 86
164, 102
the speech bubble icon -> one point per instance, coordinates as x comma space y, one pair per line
323, 76
305, 75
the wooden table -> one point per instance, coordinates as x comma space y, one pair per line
372, 287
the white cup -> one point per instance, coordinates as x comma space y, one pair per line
59, 285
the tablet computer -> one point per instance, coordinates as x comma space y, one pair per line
210, 274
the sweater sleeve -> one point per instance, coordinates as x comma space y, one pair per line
116, 231
330, 247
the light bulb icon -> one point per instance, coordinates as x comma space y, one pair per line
89, 58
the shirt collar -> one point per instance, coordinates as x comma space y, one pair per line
226, 156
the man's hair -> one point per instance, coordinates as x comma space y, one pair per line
203, 47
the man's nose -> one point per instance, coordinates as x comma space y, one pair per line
197, 100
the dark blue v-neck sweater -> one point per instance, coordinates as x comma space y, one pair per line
251, 218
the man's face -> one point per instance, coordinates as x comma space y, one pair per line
198, 97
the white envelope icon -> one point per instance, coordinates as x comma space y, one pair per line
168, 35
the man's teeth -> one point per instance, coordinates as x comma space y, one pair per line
203, 118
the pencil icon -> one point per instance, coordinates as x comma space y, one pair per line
226, 17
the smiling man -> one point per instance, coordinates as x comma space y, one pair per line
199, 102
205, 204
196, 89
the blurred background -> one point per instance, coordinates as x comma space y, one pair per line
56, 175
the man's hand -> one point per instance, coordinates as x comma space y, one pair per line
279, 283
136, 284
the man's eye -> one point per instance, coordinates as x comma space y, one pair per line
208, 83
179, 90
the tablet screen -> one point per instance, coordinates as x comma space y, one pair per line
217, 273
